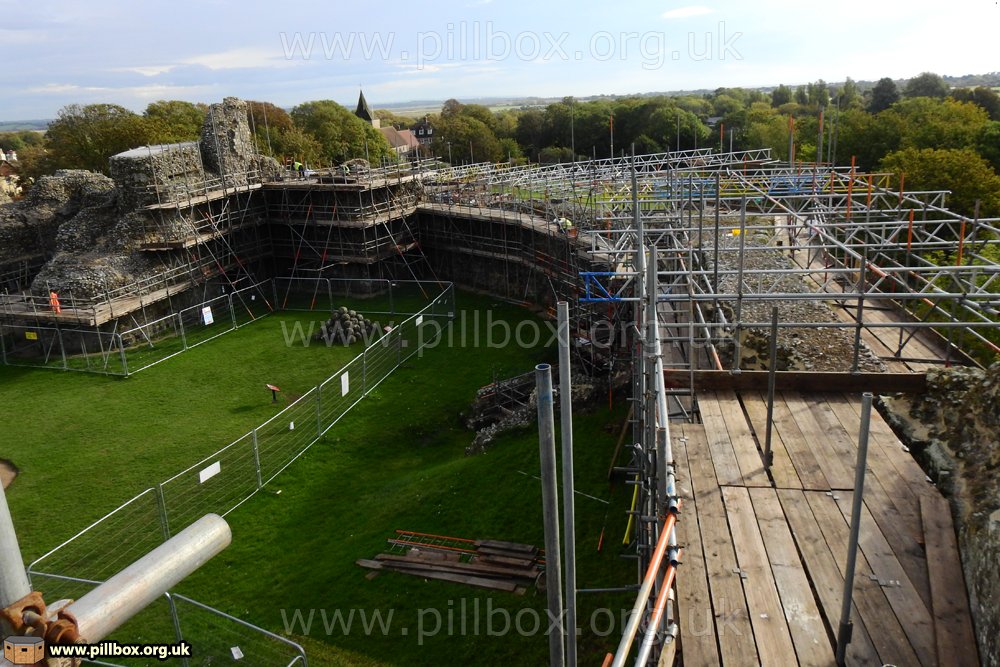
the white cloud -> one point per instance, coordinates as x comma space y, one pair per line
243, 58
60, 88
687, 12
148, 70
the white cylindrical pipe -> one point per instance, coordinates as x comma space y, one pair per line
569, 491
13, 579
104, 609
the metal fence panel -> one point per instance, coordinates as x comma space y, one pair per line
105, 547
303, 294
217, 638
281, 439
205, 321
252, 303
65, 349
153, 342
216, 484
341, 391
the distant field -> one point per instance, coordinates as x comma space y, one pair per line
86, 443
21, 125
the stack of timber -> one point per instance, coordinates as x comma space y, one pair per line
496, 565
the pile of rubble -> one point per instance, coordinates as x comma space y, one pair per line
511, 404
347, 327
799, 348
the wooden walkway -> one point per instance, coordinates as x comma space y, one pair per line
763, 566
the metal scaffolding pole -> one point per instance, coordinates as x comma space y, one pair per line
845, 629
550, 513
569, 502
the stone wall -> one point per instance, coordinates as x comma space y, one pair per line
227, 145
954, 429
157, 174
29, 227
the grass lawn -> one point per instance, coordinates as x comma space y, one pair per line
85, 444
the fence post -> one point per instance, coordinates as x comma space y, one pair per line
364, 372
161, 504
121, 351
3, 346
177, 625
232, 312
62, 349
256, 460
319, 410
180, 328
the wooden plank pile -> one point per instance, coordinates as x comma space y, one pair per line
492, 564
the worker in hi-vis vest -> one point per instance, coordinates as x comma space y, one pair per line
54, 302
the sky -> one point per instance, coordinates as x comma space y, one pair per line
133, 52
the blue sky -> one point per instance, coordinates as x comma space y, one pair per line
132, 52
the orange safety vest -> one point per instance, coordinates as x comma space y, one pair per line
54, 302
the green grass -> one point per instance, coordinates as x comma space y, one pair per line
86, 443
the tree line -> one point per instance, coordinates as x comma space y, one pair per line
318, 133
939, 137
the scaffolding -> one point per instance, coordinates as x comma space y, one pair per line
698, 248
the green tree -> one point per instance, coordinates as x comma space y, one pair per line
818, 93
530, 132
848, 97
466, 139
884, 95
767, 129
397, 121
781, 95
923, 122
172, 121
509, 150
857, 136
340, 134
926, 84
85, 137
963, 171
700, 107
987, 98
555, 155
989, 144
15, 141
723, 105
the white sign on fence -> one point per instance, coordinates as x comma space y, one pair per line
420, 320
206, 315
209, 472
345, 383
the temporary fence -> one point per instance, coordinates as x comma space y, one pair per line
223, 481
214, 637
126, 352
132, 350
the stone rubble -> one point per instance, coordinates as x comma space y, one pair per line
799, 348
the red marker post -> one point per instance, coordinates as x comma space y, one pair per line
274, 392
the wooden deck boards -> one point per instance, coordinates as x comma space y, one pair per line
956, 641
766, 555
